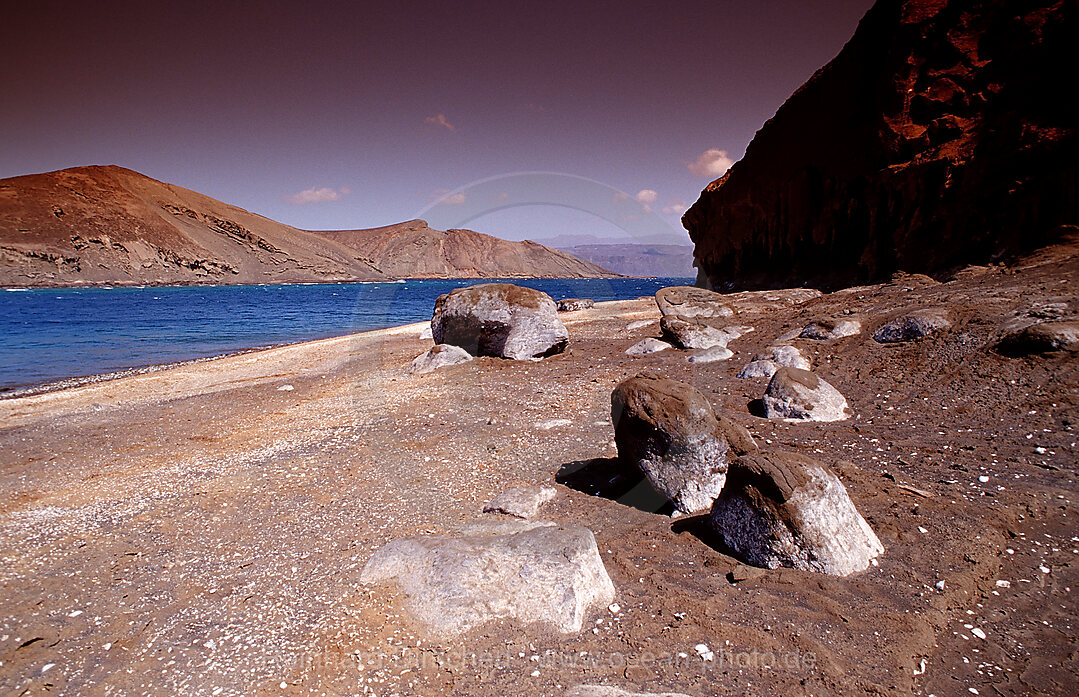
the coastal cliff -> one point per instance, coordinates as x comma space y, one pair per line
941, 135
110, 225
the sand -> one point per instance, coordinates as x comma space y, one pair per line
201, 529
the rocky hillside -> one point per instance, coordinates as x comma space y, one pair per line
415, 250
940, 135
99, 225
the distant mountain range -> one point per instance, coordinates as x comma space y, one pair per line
639, 259
110, 225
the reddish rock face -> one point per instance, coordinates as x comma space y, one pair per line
940, 136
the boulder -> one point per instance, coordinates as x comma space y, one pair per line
766, 364
607, 691
710, 355
831, 328
783, 509
499, 319
1044, 337
799, 395
646, 346
913, 325
691, 334
438, 356
574, 304
688, 301
668, 431
525, 572
522, 502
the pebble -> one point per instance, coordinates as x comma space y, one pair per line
1044, 569
939, 585
47, 666
285, 388
1004, 584
615, 608
978, 633
983, 479
922, 530
535, 674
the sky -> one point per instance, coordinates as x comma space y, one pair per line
533, 120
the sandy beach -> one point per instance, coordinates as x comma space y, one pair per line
201, 529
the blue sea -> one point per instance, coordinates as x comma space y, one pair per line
49, 335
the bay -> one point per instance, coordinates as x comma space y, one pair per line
55, 334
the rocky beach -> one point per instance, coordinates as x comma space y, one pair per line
205, 529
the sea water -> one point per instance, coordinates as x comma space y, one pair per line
52, 334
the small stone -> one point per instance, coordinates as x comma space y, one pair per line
710, 355
1044, 569
646, 346
639, 324
913, 325
285, 388
574, 304
939, 585
978, 633
521, 502
614, 608
1004, 584
983, 479
438, 356
830, 328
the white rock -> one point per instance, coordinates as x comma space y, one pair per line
527, 572
285, 388
639, 324
828, 329
521, 502
649, 345
978, 633
783, 509
426, 333
438, 356
710, 355
758, 369
799, 395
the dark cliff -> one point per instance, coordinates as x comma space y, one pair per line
943, 134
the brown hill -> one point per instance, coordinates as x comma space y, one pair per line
413, 249
942, 134
97, 225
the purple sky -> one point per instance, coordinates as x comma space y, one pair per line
345, 115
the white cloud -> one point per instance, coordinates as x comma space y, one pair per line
454, 199
711, 163
441, 120
646, 196
675, 208
319, 195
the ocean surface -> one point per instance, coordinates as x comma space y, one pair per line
49, 335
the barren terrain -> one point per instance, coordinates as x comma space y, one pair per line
201, 530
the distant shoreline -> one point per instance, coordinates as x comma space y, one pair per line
192, 284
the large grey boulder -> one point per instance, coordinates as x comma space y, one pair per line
521, 502
439, 355
830, 328
526, 572
691, 334
783, 509
766, 364
913, 325
499, 319
688, 301
668, 431
1044, 337
607, 691
799, 395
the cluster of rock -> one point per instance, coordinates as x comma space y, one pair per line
687, 322
772, 509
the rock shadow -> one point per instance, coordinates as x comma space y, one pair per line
698, 526
609, 478
756, 408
